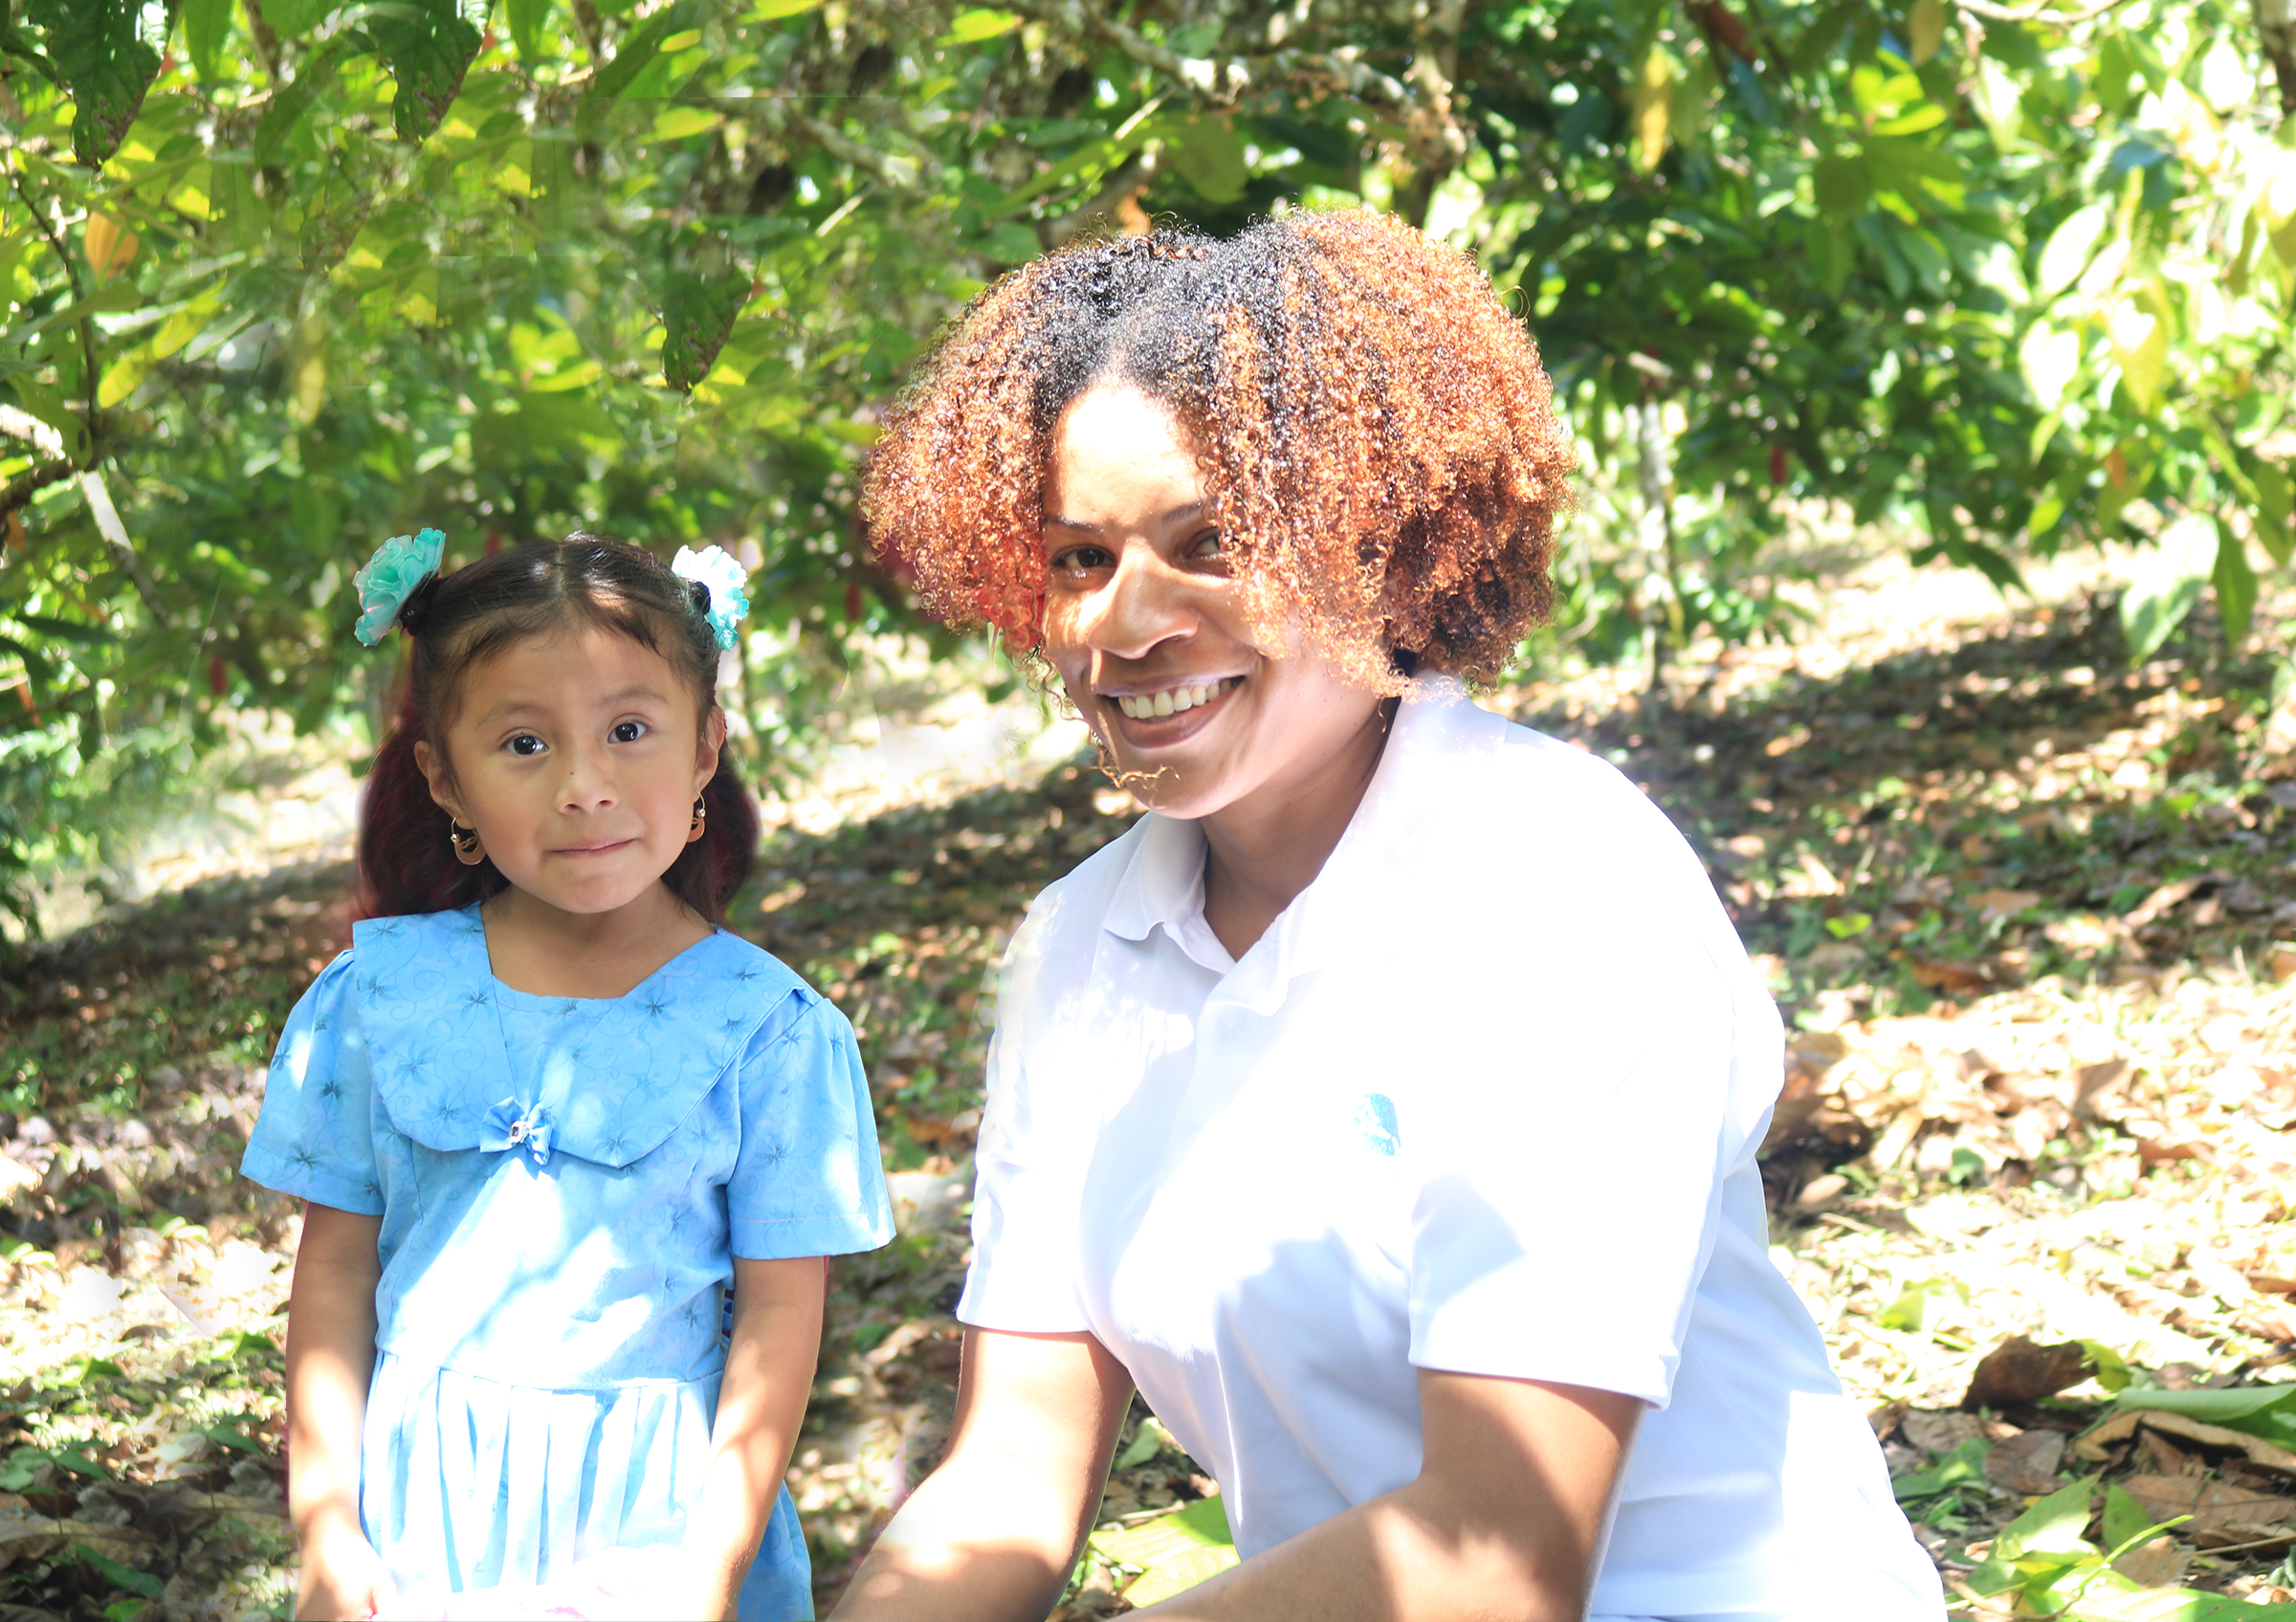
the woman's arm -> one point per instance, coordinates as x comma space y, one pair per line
992, 1535
1502, 1524
330, 1358
769, 1373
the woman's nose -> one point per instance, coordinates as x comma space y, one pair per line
1146, 604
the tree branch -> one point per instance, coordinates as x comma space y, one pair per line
892, 168
29, 483
266, 42
87, 328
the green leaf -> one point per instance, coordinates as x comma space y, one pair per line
120, 1576
1964, 1466
2236, 584
2126, 1520
1925, 28
1208, 151
66, 629
1175, 1551
971, 28
288, 107
2106, 1366
2166, 585
207, 24
2235, 1408
2070, 247
706, 289
1910, 1311
2275, 497
639, 49
427, 47
2040, 1545
1839, 183
292, 19
526, 19
99, 52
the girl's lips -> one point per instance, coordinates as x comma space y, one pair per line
600, 850
1163, 731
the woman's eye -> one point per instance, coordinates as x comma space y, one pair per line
1207, 545
526, 743
1081, 559
627, 731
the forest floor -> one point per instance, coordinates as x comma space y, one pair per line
2030, 912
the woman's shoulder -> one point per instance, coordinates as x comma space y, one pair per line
1074, 906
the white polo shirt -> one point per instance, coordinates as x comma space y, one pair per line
1486, 1097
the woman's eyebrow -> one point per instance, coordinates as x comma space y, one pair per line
1180, 514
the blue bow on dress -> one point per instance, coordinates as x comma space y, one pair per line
509, 1127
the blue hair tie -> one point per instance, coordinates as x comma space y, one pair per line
727, 582
389, 578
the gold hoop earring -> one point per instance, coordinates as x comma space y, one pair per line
697, 829
468, 851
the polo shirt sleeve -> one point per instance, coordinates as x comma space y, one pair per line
1565, 1216
808, 1179
313, 1139
1028, 1168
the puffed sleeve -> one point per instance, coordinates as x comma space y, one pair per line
313, 1139
808, 1179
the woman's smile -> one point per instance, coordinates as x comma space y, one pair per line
1158, 715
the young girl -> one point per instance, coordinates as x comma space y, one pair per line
547, 1113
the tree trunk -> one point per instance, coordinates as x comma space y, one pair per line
2276, 29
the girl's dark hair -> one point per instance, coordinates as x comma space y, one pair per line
405, 863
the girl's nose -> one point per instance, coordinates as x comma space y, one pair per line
1146, 604
589, 785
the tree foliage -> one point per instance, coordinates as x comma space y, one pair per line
285, 276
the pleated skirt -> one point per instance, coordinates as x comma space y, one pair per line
468, 1482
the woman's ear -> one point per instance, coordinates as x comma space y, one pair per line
432, 764
707, 747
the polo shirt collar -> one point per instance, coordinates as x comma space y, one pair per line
1162, 883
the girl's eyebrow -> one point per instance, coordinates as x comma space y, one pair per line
510, 708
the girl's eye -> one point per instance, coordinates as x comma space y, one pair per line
526, 743
627, 731
1207, 545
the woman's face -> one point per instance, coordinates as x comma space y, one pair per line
1150, 634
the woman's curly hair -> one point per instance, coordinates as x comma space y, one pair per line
1377, 435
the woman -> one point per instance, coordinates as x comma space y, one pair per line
1384, 1104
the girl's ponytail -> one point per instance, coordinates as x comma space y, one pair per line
711, 869
405, 863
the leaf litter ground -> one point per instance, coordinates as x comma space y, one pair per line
2028, 911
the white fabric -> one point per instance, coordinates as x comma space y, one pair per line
1485, 1099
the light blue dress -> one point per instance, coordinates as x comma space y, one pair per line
563, 1184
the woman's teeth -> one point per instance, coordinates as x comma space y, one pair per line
1145, 706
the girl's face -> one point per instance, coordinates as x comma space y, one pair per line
1150, 634
578, 758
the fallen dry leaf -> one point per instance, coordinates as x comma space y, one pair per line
2092, 1444
2157, 1564
2026, 1463
2221, 1514
2019, 1371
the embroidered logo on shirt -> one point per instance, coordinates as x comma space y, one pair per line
1374, 1119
